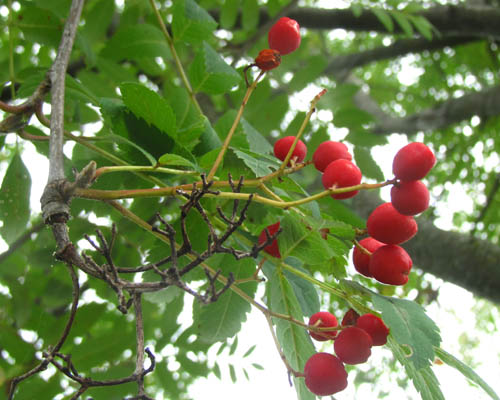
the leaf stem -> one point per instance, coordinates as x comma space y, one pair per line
132, 168
177, 60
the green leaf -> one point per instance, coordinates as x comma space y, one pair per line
305, 244
15, 199
294, 340
305, 291
229, 13
191, 23
351, 117
249, 351
150, 106
39, 26
234, 346
367, 164
136, 42
222, 319
403, 21
250, 15
259, 165
357, 10
410, 326
423, 25
232, 373
174, 159
209, 72
258, 143
423, 379
466, 371
384, 18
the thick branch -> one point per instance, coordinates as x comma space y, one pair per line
455, 257
341, 65
484, 104
449, 20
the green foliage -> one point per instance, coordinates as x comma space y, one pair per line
126, 95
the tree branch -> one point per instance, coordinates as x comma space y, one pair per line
57, 78
341, 65
448, 20
484, 104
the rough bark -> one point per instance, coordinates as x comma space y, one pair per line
484, 104
481, 21
459, 258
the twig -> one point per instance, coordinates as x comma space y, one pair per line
139, 332
57, 78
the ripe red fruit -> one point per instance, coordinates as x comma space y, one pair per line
342, 173
284, 35
282, 146
330, 151
413, 162
268, 59
272, 249
375, 327
327, 320
325, 374
350, 317
391, 264
360, 259
353, 345
410, 197
387, 225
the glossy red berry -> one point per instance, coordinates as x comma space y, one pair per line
342, 173
375, 327
330, 151
387, 225
325, 374
391, 264
268, 59
360, 259
413, 162
284, 35
327, 320
350, 317
273, 248
353, 345
282, 146
410, 197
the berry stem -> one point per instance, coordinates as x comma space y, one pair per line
177, 60
312, 108
133, 168
236, 121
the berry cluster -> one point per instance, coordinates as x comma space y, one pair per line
390, 224
325, 373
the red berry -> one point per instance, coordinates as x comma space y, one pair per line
282, 146
327, 320
413, 162
410, 197
360, 259
353, 345
375, 327
330, 151
272, 249
342, 173
350, 317
284, 35
391, 264
325, 374
388, 226
268, 59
